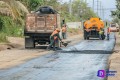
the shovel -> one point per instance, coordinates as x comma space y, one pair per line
64, 44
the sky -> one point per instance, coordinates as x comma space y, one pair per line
107, 5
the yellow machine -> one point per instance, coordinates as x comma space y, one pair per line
92, 28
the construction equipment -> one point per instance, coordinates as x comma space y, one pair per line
92, 27
40, 25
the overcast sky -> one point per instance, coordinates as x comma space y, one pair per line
107, 4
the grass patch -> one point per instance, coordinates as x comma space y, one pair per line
9, 27
3, 37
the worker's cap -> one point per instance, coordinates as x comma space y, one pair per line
58, 29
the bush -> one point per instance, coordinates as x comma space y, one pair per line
9, 27
3, 37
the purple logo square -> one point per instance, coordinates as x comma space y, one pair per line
101, 73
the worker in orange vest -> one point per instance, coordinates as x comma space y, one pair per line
108, 33
54, 36
64, 30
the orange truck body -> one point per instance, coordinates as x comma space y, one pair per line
94, 23
92, 28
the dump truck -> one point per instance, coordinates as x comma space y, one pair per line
92, 27
39, 26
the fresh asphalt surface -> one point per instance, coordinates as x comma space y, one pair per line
78, 62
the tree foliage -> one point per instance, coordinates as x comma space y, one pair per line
117, 12
12, 8
12, 12
32, 4
80, 11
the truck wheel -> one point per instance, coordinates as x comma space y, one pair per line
29, 43
87, 38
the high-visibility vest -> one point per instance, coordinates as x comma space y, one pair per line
101, 32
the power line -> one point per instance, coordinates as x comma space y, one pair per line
99, 9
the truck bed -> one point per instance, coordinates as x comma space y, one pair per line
41, 23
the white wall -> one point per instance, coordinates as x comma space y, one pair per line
73, 24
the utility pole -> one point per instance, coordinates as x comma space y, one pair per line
70, 7
85, 1
86, 7
97, 7
93, 5
100, 8
103, 12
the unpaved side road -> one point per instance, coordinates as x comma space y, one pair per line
77, 62
114, 60
14, 53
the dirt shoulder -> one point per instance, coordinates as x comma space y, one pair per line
14, 53
114, 60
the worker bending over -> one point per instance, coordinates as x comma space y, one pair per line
64, 30
53, 38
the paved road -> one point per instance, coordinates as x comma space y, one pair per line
78, 62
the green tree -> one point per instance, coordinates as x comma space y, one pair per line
11, 17
32, 4
81, 11
117, 12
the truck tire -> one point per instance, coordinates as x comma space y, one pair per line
87, 38
29, 43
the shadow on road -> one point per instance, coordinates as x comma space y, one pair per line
86, 52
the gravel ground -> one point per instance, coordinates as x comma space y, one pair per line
114, 60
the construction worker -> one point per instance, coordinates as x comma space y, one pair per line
64, 30
54, 36
101, 33
108, 33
